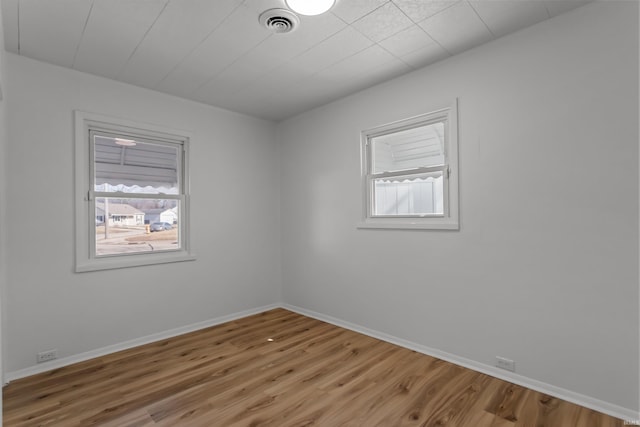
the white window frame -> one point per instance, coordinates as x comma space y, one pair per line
85, 196
449, 220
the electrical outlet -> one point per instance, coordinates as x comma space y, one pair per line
505, 363
45, 356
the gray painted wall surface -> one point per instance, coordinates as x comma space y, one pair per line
49, 306
544, 269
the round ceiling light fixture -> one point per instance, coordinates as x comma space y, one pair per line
310, 7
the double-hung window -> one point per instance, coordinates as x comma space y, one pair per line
132, 204
410, 173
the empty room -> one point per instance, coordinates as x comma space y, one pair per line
231, 213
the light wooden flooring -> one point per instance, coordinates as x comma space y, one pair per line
310, 374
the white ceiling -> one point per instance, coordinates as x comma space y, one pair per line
216, 52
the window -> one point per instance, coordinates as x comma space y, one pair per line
132, 198
410, 173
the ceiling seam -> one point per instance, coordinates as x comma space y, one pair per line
417, 24
369, 13
209, 80
300, 53
323, 40
453, 3
230, 64
84, 28
290, 59
425, 31
374, 43
198, 44
338, 17
481, 20
546, 7
344, 59
391, 35
144, 36
394, 55
320, 70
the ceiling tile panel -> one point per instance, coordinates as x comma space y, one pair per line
183, 25
556, 7
10, 24
457, 28
263, 97
241, 73
334, 49
252, 96
313, 93
358, 64
425, 56
505, 16
274, 84
311, 31
284, 106
281, 77
352, 10
295, 97
419, 10
365, 69
51, 30
114, 30
380, 73
233, 38
218, 91
247, 103
273, 104
407, 41
215, 51
383, 22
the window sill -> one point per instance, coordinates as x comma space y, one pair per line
132, 261
407, 224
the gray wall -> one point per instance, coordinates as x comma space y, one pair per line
234, 229
544, 269
3, 202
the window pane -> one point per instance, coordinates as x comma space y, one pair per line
413, 195
132, 166
421, 146
136, 225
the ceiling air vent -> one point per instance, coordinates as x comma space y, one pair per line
279, 20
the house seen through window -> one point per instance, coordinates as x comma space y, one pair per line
137, 195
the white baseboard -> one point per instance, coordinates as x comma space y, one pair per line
560, 393
65, 361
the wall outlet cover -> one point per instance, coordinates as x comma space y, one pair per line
45, 356
504, 363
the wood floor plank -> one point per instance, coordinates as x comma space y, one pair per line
280, 369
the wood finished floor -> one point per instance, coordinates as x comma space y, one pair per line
311, 374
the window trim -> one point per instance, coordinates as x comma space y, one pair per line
449, 220
85, 258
